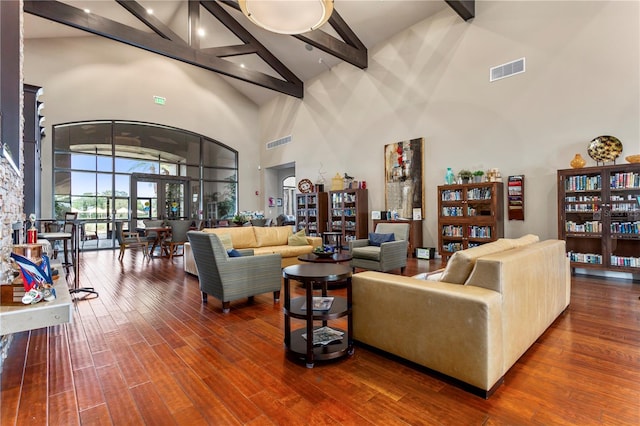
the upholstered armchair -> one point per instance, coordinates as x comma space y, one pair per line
385, 256
231, 278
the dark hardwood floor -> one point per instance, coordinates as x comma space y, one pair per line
146, 351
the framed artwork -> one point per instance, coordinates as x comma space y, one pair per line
272, 202
279, 202
404, 178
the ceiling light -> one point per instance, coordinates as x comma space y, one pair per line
87, 11
150, 11
201, 32
287, 16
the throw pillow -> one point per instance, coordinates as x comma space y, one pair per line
233, 253
377, 239
225, 239
298, 239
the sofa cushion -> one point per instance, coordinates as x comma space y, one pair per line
461, 263
241, 236
367, 253
285, 251
298, 239
272, 236
377, 239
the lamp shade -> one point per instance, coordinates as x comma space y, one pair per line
287, 16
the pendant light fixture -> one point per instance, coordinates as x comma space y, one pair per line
287, 16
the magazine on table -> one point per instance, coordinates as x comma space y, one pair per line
325, 335
319, 304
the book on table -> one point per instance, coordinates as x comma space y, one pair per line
319, 304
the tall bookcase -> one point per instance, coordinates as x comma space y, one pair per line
349, 213
599, 216
311, 213
469, 215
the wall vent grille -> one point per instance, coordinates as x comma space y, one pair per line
279, 142
507, 70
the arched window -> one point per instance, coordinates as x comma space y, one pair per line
130, 171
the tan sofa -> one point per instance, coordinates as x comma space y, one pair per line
499, 298
262, 240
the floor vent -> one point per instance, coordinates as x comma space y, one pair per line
279, 142
506, 70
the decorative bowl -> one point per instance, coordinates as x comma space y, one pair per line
604, 148
324, 254
633, 158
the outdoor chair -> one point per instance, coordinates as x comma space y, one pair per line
384, 256
231, 278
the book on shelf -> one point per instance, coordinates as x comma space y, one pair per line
325, 335
319, 304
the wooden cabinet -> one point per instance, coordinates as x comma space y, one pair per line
599, 216
469, 215
349, 213
311, 213
415, 233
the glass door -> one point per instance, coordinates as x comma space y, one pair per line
159, 198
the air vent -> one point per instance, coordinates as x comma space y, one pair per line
506, 70
279, 142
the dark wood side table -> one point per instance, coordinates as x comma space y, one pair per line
319, 274
336, 258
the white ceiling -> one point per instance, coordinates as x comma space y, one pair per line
373, 21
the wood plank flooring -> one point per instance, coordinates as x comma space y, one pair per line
148, 352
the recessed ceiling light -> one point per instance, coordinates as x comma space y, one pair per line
87, 11
150, 11
241, 65
201, 32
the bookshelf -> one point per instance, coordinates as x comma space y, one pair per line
469, 215
311, 213
599, 216
349, 214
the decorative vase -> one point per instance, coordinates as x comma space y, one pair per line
578, 162
449, 177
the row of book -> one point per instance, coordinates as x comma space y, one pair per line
584, 198
628, 180
582, 208
452, 211
479, 194
452, 231
479, 232
590, 226
628, 261
583, 183
451, 195
592, 258
451, 247
625, 228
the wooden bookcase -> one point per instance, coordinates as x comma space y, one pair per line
415, 233
349, 214
469, 215
599, 216
311, 213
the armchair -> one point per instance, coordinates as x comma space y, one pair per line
231, 278
387, 256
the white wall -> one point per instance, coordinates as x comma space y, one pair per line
87, 78
431, 81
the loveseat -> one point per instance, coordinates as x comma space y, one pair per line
473, 320
263, 240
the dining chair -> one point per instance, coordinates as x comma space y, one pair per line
179, 229
87, 235
128, 239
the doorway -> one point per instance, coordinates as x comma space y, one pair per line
159, 198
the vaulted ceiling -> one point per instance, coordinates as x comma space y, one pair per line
216, 36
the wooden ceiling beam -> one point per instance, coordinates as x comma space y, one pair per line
465, 8
150, 21
153, 42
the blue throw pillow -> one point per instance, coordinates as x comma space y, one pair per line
377, 239
233, 253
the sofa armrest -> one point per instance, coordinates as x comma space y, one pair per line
450, 328
314, 241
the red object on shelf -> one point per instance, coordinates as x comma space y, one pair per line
32, 236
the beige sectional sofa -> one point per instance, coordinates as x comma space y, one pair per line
262, 240
478, 316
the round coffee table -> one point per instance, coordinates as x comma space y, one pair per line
336, 258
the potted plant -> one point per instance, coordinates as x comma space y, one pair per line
465, 175
239, 219
477, 176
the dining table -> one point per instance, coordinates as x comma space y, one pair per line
161, 233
